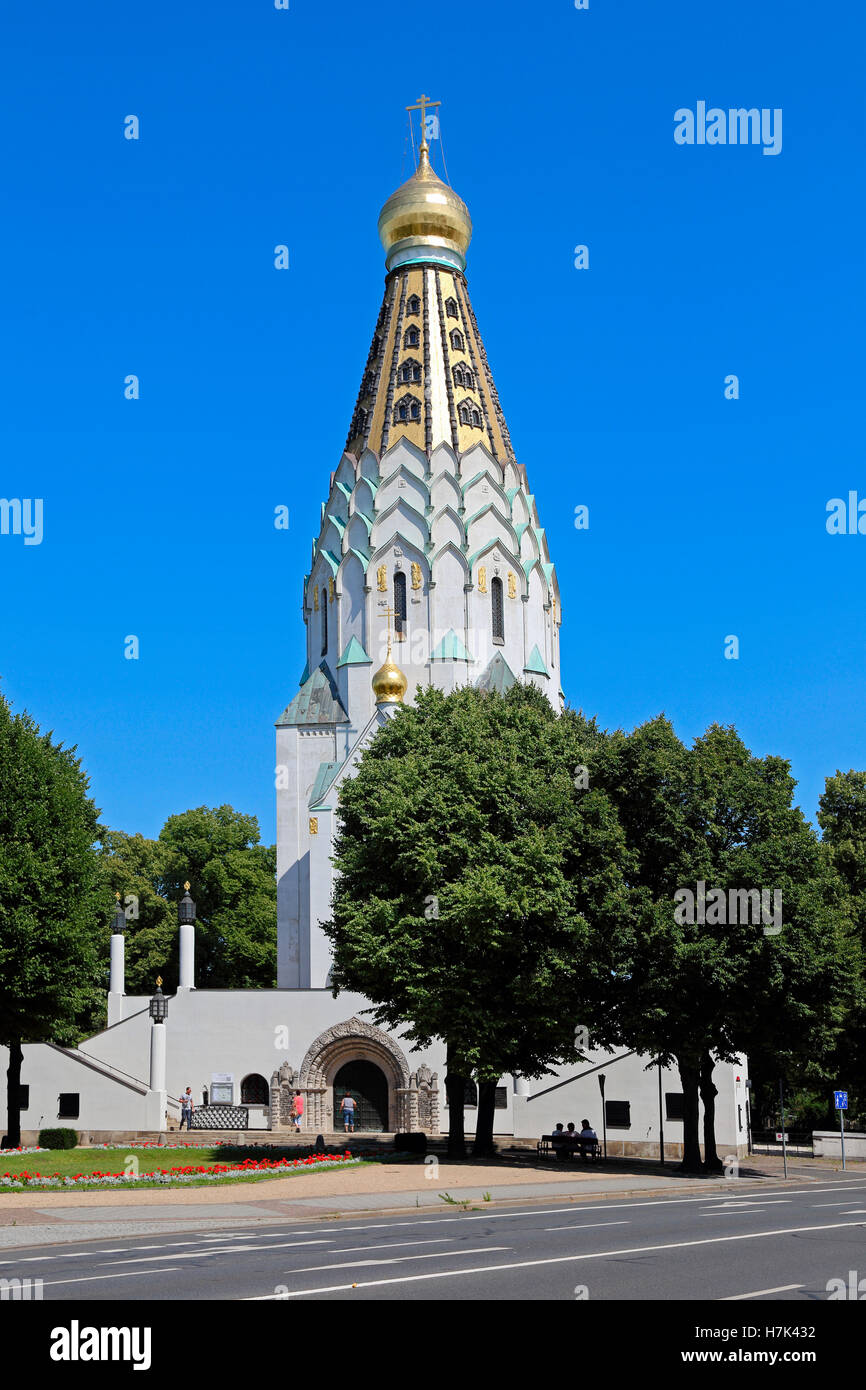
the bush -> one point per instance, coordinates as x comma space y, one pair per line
57, 1138
410, 1143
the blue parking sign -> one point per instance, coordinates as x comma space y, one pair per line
840, 1100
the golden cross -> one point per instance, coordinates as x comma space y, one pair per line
421, 105
389, 614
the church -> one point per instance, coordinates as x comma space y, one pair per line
431, 566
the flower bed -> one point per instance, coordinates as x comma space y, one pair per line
191, 1173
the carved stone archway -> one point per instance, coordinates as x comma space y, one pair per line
354, 1040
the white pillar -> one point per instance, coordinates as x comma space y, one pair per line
521, 1086
187, 956
157, 1097
116, 978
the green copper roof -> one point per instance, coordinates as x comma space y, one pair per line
324, 778
354, 655
450, 649
535, 663
317, 702
497, 675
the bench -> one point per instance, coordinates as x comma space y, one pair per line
553, 1143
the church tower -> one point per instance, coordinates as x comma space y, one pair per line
430, 561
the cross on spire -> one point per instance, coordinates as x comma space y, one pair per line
421, 105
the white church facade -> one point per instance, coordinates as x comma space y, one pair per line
430, 567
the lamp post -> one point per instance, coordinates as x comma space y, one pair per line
601, 1081
661, 1119
156, 1096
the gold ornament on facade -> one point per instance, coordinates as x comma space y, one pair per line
482, 579
512, 585
314, 825
316, 600
416, 576
382, 579
331, 589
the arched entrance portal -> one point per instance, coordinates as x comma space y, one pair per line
369, 1088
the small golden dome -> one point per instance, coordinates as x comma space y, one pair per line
389, 684
425, 213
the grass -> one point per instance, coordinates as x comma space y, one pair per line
69, 1162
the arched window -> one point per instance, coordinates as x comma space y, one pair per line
324, 621
476, 418
400, 605
463, 413
413, 304
451, 308
255, 1090
411, 338
498, 610
459, 375
408, 408
410, 370
456, 340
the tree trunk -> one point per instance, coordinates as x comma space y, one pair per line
483, 1145
12, 1139
455, 1089
689, 1069
712, 1162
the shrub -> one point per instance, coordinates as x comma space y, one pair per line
57, 1138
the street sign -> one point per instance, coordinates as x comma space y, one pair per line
780, 1137
840, 1100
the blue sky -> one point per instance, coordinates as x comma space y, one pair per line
259, 127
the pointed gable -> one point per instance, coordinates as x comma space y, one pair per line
317, 702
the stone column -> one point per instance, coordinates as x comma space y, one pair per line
156, 1099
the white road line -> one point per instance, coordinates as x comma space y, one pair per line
391, 1245
554, 1260
829, 1204
398, 1259
225, 1250
590, 1226
92, 1278
759, 1293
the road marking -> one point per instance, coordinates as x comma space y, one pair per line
759, 1293
225, 1250
92, 1278
553, 1260
390, 1245
399, 1259
590, 1226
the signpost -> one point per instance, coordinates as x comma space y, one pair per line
601, 1081
784, 1135
840, 1100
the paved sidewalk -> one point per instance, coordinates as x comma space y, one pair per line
30, 1218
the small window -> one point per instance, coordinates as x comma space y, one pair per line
451, 308
400, 605
410, 370
67, 1108
674, 1105
463, 412
413, 304
618, 1114
498, 609
324, 621
500, 1101
476, 418
456, 340
470, 1096
255, 1090
412, 337
407, 408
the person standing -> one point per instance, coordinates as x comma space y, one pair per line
186, 1108
348, 1110
297, 1109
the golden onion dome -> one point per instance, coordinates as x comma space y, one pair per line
389, 684
425, 220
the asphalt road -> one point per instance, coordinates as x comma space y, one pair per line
779, 1243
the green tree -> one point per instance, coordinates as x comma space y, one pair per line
48, 895
466, 866
233, 879
134, 867
701, 990
842, 818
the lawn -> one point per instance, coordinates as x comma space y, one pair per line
138, 1163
